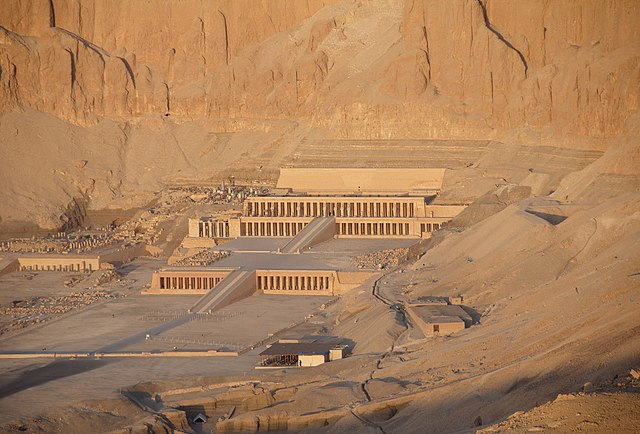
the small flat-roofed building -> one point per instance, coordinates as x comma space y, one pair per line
293, 353
439, 319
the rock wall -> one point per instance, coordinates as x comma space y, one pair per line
421, 68
85, 60
157, 91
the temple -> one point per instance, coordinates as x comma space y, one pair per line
392, 203
262, 244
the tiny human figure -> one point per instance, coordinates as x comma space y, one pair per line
300, 363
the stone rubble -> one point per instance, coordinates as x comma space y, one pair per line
144, 228
382, 259
201, 259
24, 313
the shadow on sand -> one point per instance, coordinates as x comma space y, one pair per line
51, 372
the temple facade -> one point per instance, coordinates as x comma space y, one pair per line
370, 217
312, 206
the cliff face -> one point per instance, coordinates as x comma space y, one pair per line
276, 72
84, 60
464, 64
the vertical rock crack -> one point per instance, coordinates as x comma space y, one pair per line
487, 23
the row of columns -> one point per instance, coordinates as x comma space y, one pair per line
366, 229
294, 283
290, 229
187, 282
429, 227
271, 229
213, 229
323, 208
79, 267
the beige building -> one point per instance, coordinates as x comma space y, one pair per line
370, 217
314, 205
439, 319
187, 280
301, 353
371, 203
190, 280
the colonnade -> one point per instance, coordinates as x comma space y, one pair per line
272, 228
294, 282
355, 216
344, 227
82, 267
429, 227
322, 207
373, 228
213, 229
187, 281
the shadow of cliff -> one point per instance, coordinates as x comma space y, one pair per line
50, 372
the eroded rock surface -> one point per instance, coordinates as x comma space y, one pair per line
149, 94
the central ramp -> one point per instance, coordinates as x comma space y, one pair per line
318, 230
238, 284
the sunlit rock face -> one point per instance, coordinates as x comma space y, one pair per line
153, 92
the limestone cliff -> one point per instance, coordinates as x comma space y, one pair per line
85, 60
216, 80
497, 64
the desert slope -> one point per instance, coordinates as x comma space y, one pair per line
558, 309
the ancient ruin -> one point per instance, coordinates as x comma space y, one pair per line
360, 204
302, 220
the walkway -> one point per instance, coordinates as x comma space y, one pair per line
319, 229
223, 291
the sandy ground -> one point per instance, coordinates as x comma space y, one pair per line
605, 411
120, 324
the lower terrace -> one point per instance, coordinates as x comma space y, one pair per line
328, 268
